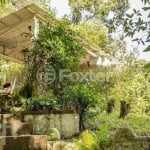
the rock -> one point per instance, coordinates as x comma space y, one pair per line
59, 145
70, 146
49, 147
124, 133
126, 139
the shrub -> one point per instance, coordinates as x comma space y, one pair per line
103, 136
41, 103
82, 97
87, 141
53, 134
139, 123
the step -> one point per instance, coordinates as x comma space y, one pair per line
24, 142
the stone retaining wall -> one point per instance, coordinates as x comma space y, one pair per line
27, 142
67, 124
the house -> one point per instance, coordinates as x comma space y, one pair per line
14, 43
95, 57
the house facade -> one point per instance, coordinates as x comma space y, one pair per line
15, 40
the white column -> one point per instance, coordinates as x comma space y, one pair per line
36, 27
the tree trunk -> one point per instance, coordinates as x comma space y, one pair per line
124, 109
110, 106
81, 122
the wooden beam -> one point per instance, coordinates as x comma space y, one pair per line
10, 27
11, 59
2, 23
2, 43
18, 49
92, 47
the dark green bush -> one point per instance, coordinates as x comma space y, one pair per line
41, 103
82, 97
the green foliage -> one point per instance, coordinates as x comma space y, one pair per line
2, 2
9, 71
5, 10
147, 49
139, 123
103, 136
17, 99
41, 103
53, 134
9, 6
133, 23
59, 45
147, 67
56, 47
105, 126
132, 86
145, 1
81, 97
87, 141
94, 9
94, 33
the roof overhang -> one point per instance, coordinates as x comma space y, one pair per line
14, 43
13, 31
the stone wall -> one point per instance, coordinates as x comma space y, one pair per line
24, 142
126, 139
12, 125
67, 124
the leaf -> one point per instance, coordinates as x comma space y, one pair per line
145, 1
134, 11
135, 39
147, 66
3, 2
146, 8
142, 42
130, 22
148, 40
129, 16
147, 49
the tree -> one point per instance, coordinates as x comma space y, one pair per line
96, 34
133, 23
131, 88
81, 97
9, 6
89, 17
4, 1
56, 47
9, 71
94, 9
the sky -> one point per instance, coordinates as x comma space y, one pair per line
137, 4
62, 8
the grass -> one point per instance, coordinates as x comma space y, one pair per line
140, 124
